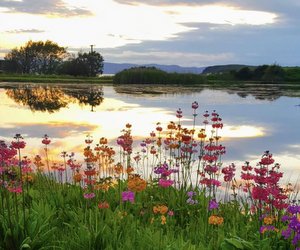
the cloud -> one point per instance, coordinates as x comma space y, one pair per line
211, 44
18, 31
46, 7
165, 57
55, 129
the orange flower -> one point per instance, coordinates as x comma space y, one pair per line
103, 205
159, 142
215, 220
118, 168
102, 186
27, 178
103, 140
160, 209
136, 184
77, 177
202, 134
268, 220
129, 170
171, 126
163, 220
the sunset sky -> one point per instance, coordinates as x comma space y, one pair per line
186, 33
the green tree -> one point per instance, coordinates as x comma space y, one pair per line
85, 64
274, 73
35, 57
92, 62
260, 71
244, 74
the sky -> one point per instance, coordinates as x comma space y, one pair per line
185, 33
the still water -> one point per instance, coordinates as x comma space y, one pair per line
256, 118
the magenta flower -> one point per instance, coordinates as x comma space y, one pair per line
165, 183
195, 105
128, 196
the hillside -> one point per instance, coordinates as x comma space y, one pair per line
113, 68
224, 68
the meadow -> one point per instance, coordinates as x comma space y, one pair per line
171, 193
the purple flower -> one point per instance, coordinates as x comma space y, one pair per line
191, 201
286, 233
213, 205
294, 209
285, 218
191, 194
267, 228
128, 196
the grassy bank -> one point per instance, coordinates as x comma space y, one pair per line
54, 79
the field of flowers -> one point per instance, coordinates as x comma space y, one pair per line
169, 192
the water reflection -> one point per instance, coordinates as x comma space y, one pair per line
53, 98
268, 92
92, 96
39, 98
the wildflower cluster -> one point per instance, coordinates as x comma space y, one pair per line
263, 185
293, 228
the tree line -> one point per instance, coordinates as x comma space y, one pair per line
49, 58
268, 73
152, 75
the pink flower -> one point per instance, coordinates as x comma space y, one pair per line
195, 105
171, 213
46, 140
16, 190
165, 183
89, 195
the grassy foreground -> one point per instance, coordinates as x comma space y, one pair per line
53, 79
173, 193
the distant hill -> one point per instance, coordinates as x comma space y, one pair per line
224, 68
113, 68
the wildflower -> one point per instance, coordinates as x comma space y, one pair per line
165, 183
160, 209
229, 172
77, 177
89, 139
191, 201
268, 220
137, 184
129, 170
90, 172
195, 105
128, 196
215, 220
213, 204
268, 228
163, 220
171, 213
89, 195
191, 194
103, 140
46, 140
118, 168
103, 205
27, 178
179, 113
